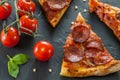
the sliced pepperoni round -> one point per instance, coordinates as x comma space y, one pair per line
74, 54
95, 44
80, 33
57, 4
102, 58
91, 53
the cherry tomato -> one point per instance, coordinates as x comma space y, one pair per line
26, 5
10, 37
5, 10
43, 50
28, 25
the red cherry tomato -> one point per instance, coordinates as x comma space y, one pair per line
10, 38
28, 25
43, 50
26, 5
5, 10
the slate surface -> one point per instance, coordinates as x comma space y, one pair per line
57, 37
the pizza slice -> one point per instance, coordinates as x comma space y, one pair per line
54, 9
110, 15
85, 54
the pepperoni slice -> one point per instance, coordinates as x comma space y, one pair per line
74, 54
57, 4
95, 44
102, 58
80, 33
91, 53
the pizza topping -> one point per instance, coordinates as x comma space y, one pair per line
49, 13
57, 4
95, 44
88, 63
80, 33
74, 53
102, 58
89, 53
97, 57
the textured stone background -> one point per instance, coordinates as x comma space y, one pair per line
57, 37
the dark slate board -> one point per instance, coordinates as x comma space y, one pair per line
57, 37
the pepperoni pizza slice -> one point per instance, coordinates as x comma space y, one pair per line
110, 15
54, 9
85, 54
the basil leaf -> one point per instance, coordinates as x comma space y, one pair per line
13, 69
20, 58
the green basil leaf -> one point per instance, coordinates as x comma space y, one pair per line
20, 58
13, 69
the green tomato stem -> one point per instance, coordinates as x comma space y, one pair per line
6, 28
4, 24
24, 12
30, 14
12, 23
9, 58
17, 17
35, 34
2, 2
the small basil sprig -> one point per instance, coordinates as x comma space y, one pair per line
14, 62
13, 69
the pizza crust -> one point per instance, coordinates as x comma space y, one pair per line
102, 70
58, 17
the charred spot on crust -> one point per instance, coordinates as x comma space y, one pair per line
118, 15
